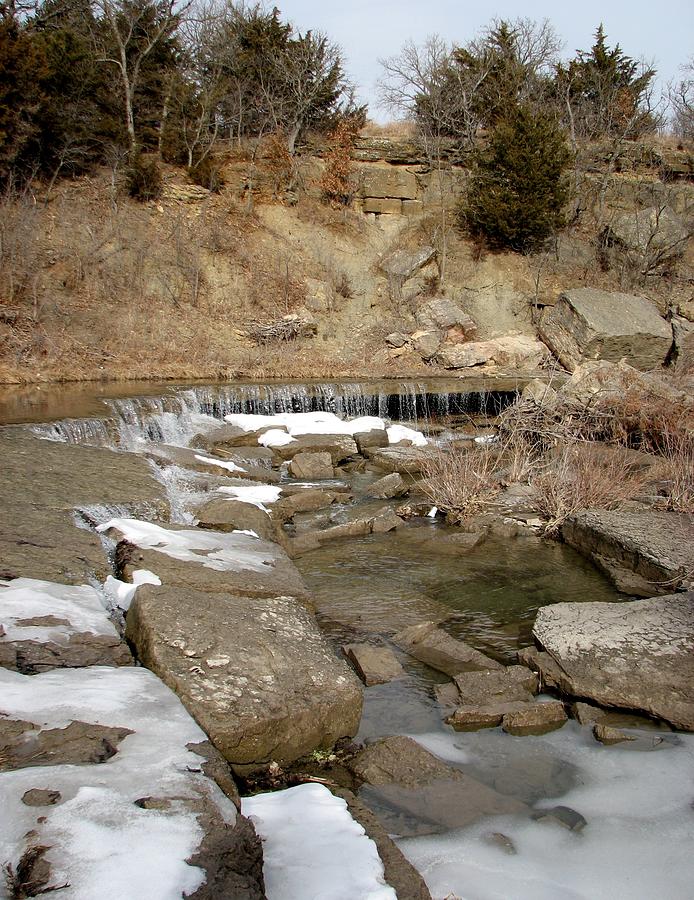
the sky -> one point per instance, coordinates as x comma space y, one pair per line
369, 30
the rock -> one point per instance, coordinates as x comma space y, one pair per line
256, 674
402, 264
472, 718
447, 694
502, 841
655, 546
608, 735
637, 655
221, 436
384, 521
586, 713
514, 352
233, 465
502, 685
683, 336
212, 561
409, 460
377, 437
387, 181
427, 343
311, 466
375, 149
377, 206
234, 515
456, 544
590, 324
442, 314
40, 797
561, 815
374, 665
655, 232
304, 501
79, 743
396, 339
387, 487
339, 446
435, 648
405, 780
42, 483
185, 193
535, 718
539, 394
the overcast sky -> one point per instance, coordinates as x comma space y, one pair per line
369, 30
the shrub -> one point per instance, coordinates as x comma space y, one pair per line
337, 181
208, 174
143, 179
461, 482
586, 476
518, 190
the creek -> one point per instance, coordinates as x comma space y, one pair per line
636, 800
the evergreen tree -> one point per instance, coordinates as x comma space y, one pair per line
518, 190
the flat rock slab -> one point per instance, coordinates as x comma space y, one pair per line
535, 718
339, 446
206, 560
434, 647
409, 460
637, 655
646, 552
47, 626
256, 674
392, 485
115, 761
405, 782
590, 324
311, 466
226, 514
503, 685
231, 466
42, 483
374, 665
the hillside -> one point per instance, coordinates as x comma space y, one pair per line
96, 286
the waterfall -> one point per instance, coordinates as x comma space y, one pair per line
177, 415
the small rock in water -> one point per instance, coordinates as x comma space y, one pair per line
374, 665
535, 718
472, 718
608, 735
502, 841
40, 797
562, 815
586, 713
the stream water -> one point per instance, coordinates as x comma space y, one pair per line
637, 800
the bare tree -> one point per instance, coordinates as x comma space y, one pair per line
681, 95
136, 28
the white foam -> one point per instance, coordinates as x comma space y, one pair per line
313, 847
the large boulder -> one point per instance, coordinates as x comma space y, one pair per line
387, 181
403, 264
339, 446
255, 673
517, 352
656, 233
637, 655
311, 466
441, 313
408, 460
590, 324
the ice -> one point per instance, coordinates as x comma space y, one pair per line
257, 494
222, 463
313, 848
27, 598
398, 433
102, 844
224, 552
121, 594
637, 844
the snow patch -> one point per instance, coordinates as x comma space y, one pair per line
222, 463
121, 594
257, 494
397, 433
313, 847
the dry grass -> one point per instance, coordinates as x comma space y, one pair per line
676, 468
461, 482
586, 476
397, 129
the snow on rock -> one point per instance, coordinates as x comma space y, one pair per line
121, 594
314, 848
223, 464
397, 433
275, 437
101, 843
72, 610
223, 552
636, 844
296, 424
256, 494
